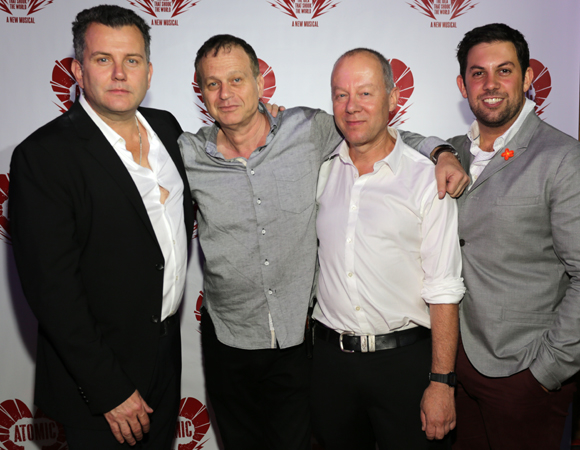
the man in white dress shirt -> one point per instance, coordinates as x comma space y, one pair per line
389, 271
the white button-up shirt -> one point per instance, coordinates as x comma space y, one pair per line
167, 218
388, 246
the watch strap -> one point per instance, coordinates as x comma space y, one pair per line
449, 378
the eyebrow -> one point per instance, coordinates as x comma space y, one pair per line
507, 63
132, 55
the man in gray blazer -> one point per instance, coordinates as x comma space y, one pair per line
519, 227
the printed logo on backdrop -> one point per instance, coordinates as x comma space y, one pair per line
198, 304
192, 425
164, 11
541, 86
403, 78
304, 12
269, 89
64, 85
20, 430
4, 221
443, 11
21, 11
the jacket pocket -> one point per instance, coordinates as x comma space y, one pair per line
528, 317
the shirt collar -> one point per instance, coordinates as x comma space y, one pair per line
111, 135
473, 133
211, 144
393, 159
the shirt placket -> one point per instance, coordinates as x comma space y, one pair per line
350, 247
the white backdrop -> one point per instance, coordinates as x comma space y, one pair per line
298, 42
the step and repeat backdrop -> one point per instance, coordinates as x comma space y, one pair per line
297, 43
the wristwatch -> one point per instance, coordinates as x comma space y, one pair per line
442, 149
449, 379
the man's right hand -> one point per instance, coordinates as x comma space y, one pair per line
130, 419
451, 177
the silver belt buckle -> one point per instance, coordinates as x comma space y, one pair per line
347, 333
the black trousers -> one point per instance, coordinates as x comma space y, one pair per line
163, 396
360, 400
259, 397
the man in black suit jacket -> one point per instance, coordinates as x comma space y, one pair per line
99, 199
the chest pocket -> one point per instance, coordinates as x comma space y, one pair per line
296, 187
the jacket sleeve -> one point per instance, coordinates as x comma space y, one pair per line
558, 357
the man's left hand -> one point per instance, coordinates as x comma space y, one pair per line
274, 109
438, 410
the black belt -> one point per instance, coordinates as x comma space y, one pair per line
350, 343
168, 323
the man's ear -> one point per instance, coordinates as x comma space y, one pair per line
394, 98
461, 86
77, 70
260, 82
528, 78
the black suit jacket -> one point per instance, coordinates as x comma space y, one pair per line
90, 265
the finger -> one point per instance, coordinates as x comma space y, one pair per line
116, 432
127, 434
148, 409
441, 184
135, 428
423, 421
144, 421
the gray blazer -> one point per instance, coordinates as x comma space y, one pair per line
519, 227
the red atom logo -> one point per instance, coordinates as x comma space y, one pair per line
198, 304
19, 430
154, 7
64, 85
32, 5
541, 86
4, 221
403, 78
192, 425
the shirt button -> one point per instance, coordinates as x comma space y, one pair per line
461, 242
266, 263
353, 207
349, 240
358, 308
263, 231
350, 274
252, 171
270, 291
259, 202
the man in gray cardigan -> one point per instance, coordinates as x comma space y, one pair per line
519, 228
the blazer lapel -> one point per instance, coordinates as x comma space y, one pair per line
518, 145
100, 149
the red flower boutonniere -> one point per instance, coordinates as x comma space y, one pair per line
507, 154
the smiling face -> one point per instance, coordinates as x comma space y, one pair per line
114, 74
360, 101
230, 90
494, 84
